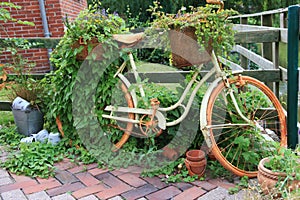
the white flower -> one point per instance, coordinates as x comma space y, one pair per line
183, 8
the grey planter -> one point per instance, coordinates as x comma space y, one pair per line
28, 121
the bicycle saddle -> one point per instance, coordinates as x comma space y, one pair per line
128, 39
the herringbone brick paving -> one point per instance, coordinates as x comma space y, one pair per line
87, 182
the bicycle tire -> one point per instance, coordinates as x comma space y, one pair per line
224, 140
129, 126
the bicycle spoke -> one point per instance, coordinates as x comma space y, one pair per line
240, 145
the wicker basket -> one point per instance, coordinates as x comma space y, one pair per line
185, 52
84, 53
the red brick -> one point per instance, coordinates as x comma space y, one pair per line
18, 185
205, 185
117, 172
43, 180
65, 164
41, 187
88, 190
221, 183
108, 193
190, 194
21, 178
97, 171
65, 177
109, 180
156, 182
132, 179
139, 192
166, 193
77, 169
132, 169
182, 186
87, 179
65, 188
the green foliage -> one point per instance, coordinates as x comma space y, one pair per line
5, 15
89, 24
211, 27
94, 23
23, 86
241, 185
35, 159
173, 172
285, 160
139, 7
217, 170
9, 136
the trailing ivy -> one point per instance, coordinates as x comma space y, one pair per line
89, 24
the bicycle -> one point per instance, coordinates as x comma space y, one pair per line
234, 107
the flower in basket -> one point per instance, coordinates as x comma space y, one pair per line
91, 28
208, 25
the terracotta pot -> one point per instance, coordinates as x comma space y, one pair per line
185, 49
268, 179
195, 155
84, 53
195, 162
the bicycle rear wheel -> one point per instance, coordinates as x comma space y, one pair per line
236, 144
121, 97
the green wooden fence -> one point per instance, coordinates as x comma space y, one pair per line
293, 52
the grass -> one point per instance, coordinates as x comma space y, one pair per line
6, 117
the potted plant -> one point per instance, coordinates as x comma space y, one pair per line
207, 25
25, 91
21, 86
90, 29
280, 172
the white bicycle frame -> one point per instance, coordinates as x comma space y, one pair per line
162, 123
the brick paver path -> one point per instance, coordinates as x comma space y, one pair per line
87, 182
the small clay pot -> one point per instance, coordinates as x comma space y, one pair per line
195, 155
268, 179
195, 162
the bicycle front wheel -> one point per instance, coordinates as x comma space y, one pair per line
237, 144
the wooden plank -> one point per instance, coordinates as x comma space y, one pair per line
283, 74
260, 36
41, 42
272, 75
284, 35
269, 12
233, 66
244, 60
161, 77
5, 106
267, 50
251, 31
257, 59
247, 28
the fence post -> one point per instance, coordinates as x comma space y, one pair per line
293, 47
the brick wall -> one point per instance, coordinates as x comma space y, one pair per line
30, 11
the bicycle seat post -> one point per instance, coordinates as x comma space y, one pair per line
135, 73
